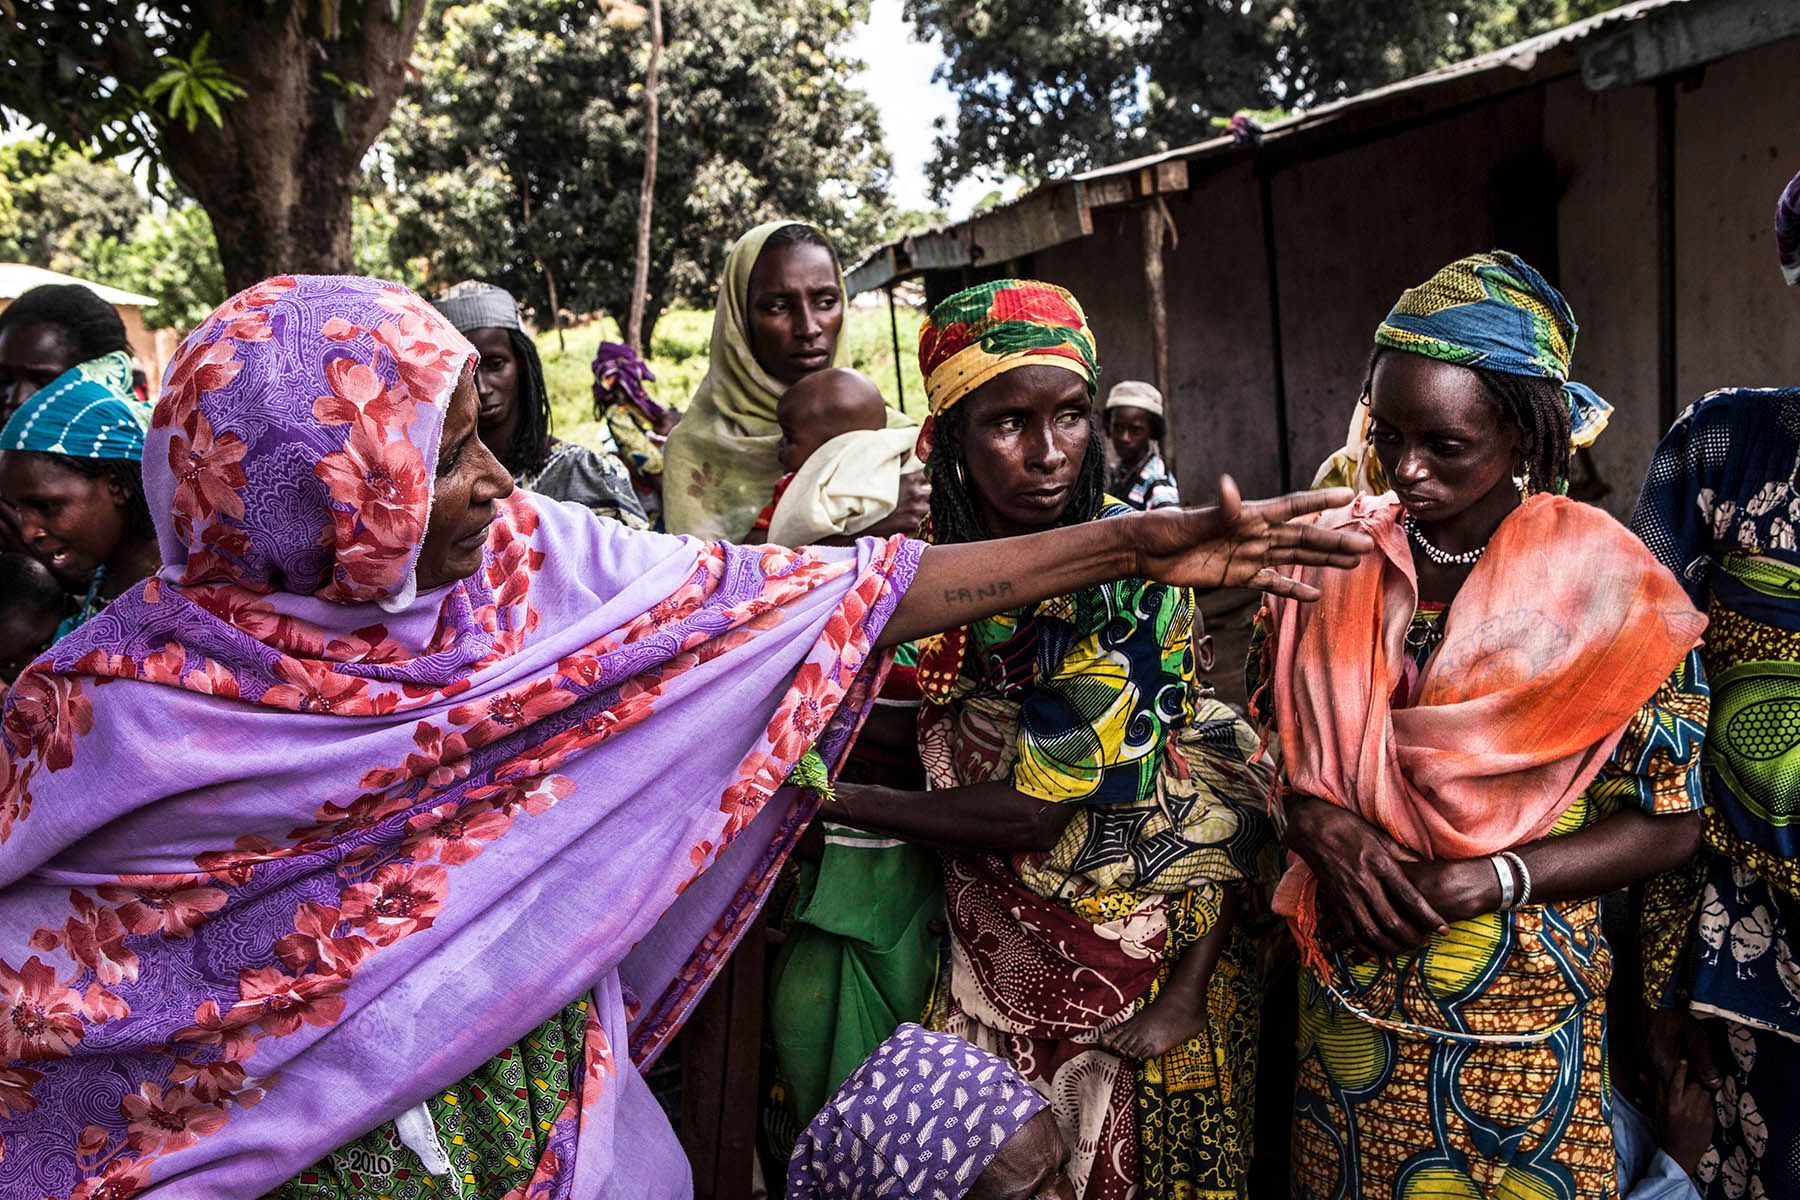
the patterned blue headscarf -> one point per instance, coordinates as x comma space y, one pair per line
89, 411
923, 1117
1495, 312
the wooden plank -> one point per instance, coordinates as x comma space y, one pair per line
1111, 190
743, 1053
703, 1086
874, 272
939, 250
1683, 36
1048, 217
721, 1044
1157, 293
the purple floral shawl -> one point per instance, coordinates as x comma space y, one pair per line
287, 846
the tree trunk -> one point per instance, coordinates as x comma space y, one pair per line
279, 177
640, 280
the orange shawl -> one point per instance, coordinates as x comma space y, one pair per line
1563, 630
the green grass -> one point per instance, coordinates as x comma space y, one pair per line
678, 355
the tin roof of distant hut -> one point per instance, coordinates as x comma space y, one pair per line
18, 278
1627, 45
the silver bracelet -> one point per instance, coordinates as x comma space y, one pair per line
1518, 864
1508, 885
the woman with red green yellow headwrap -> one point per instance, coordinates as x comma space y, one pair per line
1097, 811
1483, 728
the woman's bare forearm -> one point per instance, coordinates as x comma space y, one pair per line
992, 817
1231, 544
962, 583
1625, 848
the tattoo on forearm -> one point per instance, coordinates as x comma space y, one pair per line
998, 590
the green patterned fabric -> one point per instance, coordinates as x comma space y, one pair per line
1091, 698
991, 328
491, 1125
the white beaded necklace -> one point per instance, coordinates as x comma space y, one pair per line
1442, 558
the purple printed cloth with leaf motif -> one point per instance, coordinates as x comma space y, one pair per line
288, 845
922, 1117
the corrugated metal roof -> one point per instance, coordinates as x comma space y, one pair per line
18, 278
1618, 57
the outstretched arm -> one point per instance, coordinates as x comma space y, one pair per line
975, 817
1230, 544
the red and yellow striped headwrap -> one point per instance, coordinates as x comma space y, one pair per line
987, 330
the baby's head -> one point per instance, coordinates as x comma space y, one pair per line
823, 405
31, 606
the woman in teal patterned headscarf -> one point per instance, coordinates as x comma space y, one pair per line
72, 481
1495, 314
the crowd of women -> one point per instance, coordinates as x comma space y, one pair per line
384, 778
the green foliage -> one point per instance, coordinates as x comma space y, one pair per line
1045, 87
54, 201
171, 256
260, 111
195, 86
678, 355
373, 222
519, 153
114, 78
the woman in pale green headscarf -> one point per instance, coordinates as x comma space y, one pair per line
780, 311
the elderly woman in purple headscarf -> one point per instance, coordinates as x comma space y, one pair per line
377, 842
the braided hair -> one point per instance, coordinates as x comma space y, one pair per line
86, 324
530, 445
955, 515
1535, 409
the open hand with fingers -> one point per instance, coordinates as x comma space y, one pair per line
1235, 543
1239, 543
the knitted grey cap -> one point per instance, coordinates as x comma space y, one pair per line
471, 305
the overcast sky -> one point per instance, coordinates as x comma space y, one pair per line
898, 80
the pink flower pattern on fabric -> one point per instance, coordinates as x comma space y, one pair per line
386, 764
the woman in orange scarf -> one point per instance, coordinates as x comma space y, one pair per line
1490, 723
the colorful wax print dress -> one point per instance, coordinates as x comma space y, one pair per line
1515, 1103
1720, 508
1092, 699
